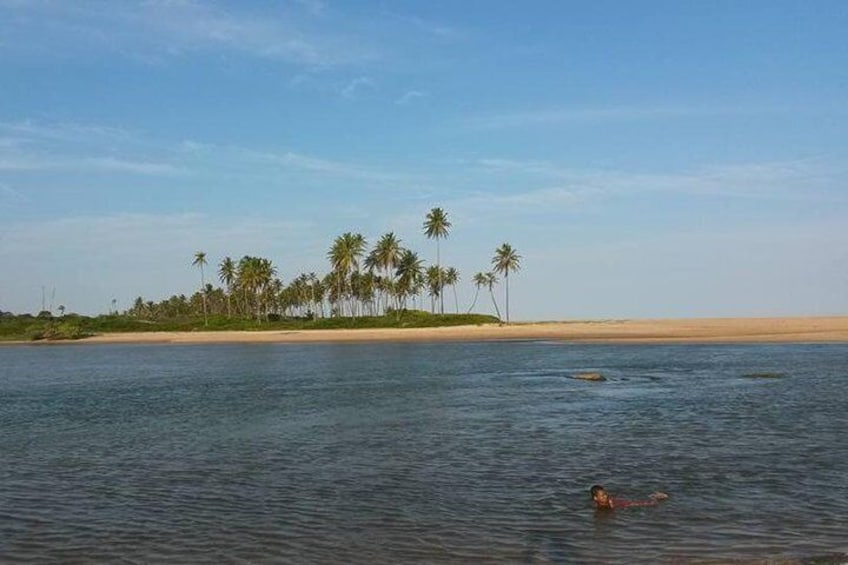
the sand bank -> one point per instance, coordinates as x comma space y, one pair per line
703, 330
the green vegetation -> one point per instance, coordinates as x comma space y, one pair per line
72, 326
383, 287
41, 327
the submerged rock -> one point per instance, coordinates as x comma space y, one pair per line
589, 377
764, 375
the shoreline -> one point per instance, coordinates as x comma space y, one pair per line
808, 329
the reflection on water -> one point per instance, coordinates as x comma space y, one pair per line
398, 453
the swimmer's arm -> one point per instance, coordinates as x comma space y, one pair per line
656, 498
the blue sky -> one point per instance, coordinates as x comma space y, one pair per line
646, 159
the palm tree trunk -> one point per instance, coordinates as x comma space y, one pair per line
455, 299
495, 302
506, 284
474, 302
439, 266
203, 295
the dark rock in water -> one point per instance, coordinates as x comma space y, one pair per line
764, 375
589, 377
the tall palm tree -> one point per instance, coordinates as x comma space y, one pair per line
316, 292
437, 226
246, 281
344, 256
386, 255
506, 259
200, 261
266, 288
480, 280
451, 277
491, 280
434, 285
409, 276
227, 276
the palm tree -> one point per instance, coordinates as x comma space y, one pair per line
200, 261
410, 275
480, 280
437, 226
386, 255
451, 277
254, 276
344, 256
316, 291
490, 281
267, 287
434, 285
506, 259
227, 276
246, 282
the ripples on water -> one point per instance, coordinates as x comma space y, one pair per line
399, 453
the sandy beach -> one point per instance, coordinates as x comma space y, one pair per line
703, 330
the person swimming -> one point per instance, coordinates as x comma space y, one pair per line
603, 501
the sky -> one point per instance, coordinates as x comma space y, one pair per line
646, 159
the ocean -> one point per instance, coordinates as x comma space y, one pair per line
422, 453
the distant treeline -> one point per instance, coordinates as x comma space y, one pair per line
45, 326
361, 282
384, 286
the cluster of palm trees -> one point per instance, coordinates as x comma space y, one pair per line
362, 282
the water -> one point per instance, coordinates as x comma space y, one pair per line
421, 453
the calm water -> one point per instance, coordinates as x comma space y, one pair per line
405, 453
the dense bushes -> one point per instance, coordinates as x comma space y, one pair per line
73, 326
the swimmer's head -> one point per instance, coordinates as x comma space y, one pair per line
600, 497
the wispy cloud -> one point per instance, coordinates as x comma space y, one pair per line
410, 96
313, 7
550, 199
297, 161
557, 116
82, 149
429, 27
165, 28
781, 179
35, 163
7, 191
67, 131
358, 87
195, 147
111, 164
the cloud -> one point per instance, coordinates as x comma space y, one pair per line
10, 142
559, 116
7, 192
780, 179
159, 29
111, 164
313, 7
68, 131
79, 148
551, 199
297, 161
195, 147
36, 163
428, 27
410, 96
357, 87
